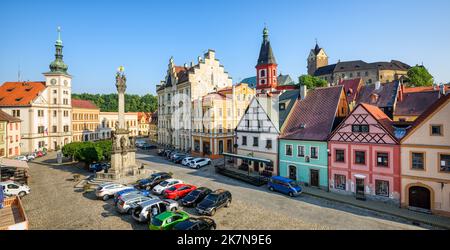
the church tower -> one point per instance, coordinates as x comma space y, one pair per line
266, 68
317, 58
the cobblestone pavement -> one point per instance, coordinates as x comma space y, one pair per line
54, 203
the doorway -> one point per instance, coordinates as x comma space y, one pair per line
314, 177
293, 172
256, 166
419, 198
359, 191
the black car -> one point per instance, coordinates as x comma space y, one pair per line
179, 158
153, 180
200, 223
147, 146
161, 152
213, 201
195, 197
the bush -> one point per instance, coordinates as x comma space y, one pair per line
88, 152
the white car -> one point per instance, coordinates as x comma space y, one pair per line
186, 160
107, 190
31, 157
21, 158
159, 189
13, 188
199, 162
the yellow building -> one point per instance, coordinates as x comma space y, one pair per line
85, 120
425, 161
153, 127
143, 123
10, 138
215, 117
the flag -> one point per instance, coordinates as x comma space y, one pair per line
46, 131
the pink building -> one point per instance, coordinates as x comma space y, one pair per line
365, 156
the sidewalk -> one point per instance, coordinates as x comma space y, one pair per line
434, 220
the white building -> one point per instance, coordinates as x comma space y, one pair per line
181, 86
108, 122
43, 106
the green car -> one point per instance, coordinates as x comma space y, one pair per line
167, 220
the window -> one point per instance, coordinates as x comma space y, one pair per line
340, 155
268, 143
339, 181
244, 140
55, 101
367, 74
360, 157
360, 128
351, 74
263, 82
288, 150
301, 151
418, 161
54, 129
66, 113
54, 113
247, 123
282, 106
436, 130
66, 128
382, 159
382, 188
17, 138
40, 129
444, 162
65, 101
314, 152
255, 141
358, 74
40, 113
16, 113
262, 73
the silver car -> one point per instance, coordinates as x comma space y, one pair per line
124, 204
144, 211
107, 190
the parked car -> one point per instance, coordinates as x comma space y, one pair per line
167, 220
161, 152
159, 189
199, 162
124, 203
201, 223
147, 146
144, 211
99, 166
39, 154
13, 188
145, 193
106, 191
177, 158
168, 152
178, 191
213, 201
21, 158
124, 191
186, 161
195, 197
284, 185
173, 156
31, 157
155, 179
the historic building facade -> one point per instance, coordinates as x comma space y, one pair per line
370, 72
144, 123
108, 121
365, 156
85, 120
215, 117
44, 107
10, 138
425, 161
181, 86
153, 127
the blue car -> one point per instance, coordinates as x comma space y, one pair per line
284, 185
129, 190
96, 167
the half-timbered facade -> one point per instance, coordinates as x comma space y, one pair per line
365, 156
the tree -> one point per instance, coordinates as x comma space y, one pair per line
89, 154
70, 149
106, 148
419, 76
134, 103
312, 82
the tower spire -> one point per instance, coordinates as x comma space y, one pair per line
58, 65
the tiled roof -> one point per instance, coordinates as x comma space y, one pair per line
182, 73
386, 94
5, 117
427, 88
360, 65
415, 103
325, 70
83, 104
266, 54
380, 116
20, 93
313, 117
288, 98
144, 114
424, 116
351, 88
281, 80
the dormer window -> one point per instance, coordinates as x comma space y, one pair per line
282, 106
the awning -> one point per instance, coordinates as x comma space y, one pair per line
246, 157
5, 162
360, 176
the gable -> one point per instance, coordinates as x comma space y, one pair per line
360, 116
259, 121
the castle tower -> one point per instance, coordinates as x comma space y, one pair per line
317, 58
266, 68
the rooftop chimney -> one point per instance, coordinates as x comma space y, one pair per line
441, 90
303, 91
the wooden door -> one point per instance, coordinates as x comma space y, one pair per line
293, 173
314, 177
419, 197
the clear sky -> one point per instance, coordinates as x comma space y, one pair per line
142, 35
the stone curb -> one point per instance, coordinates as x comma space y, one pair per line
432, 223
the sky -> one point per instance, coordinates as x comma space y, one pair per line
100, 35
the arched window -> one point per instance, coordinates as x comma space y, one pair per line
262, 73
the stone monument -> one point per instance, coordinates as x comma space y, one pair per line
123, 155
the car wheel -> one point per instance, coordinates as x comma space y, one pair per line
105, 197
271, 188
22, 194
228, 203
291, 194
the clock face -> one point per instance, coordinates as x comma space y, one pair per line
65, 82
53, 81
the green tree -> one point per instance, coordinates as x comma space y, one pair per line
70, 149
419, 76
133, 103
106, 148
312, 82
89, 154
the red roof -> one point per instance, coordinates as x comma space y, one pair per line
351, 88
20, 93
83, 104
147, 115
423, 89
380, 116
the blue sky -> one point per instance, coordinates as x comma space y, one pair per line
142, 35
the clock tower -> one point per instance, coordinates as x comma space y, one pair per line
266, 68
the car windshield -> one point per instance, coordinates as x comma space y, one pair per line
212, 197
172, 188
157, 222
293, 184
164, 183
194, 193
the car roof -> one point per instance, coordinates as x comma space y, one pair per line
150, 202
203, 188
187, 223
131, 196
219, 191
172, 179
281, 178
160, 173
165, 215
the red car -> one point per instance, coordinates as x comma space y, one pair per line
39, 154
178, 191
